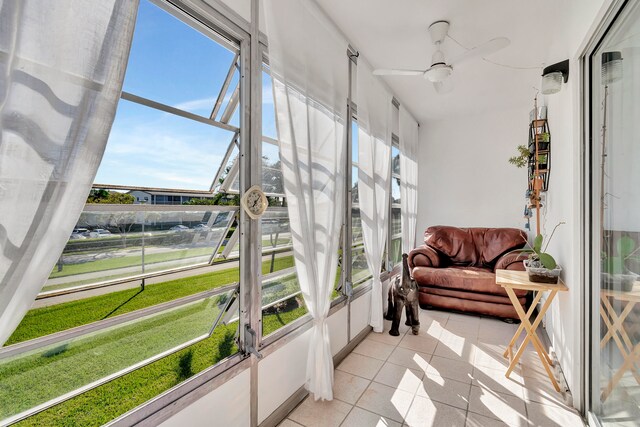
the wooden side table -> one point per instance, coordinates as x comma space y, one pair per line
511, 280
616, 331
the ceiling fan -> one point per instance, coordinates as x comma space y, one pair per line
440, 70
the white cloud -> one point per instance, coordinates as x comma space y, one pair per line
174, 153
196, 104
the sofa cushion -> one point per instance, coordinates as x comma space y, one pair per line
478, 247
470, 279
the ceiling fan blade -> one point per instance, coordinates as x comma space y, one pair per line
388, 72
484, 49
443, 87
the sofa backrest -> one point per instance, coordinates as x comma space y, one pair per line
478, 247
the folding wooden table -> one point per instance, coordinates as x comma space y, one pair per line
616, 331
511, 280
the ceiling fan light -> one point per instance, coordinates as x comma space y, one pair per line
551, 83
438, 73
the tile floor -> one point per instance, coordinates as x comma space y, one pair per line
451, 374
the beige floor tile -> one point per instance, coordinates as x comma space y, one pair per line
386, 401
495, 380
445, 390
410, 359
477, 420
434, 314
433, 330
362, 366
456, 370
465, 328
455, 347
540, 390
385, 338
348, 387
552, 416
427, 413
311, 413
464, 317
374, 349
358, 417
490, 356
504, 407
288, 423
423, 344
399, 377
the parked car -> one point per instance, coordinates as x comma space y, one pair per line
81, 231
179, 227
99, 232
201, 227
77, 236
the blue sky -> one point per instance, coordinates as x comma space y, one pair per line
176, 65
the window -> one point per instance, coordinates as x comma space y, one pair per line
142, 298
360, 272
395, 224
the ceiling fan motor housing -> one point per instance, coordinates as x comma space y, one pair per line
438, 31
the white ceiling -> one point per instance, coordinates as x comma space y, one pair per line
393, 34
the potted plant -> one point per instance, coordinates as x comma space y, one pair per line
540, 265
522, 158
614, 274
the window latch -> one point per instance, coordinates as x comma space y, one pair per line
250, 342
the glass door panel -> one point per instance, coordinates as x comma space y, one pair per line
615, 154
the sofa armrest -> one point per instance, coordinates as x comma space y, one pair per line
512, 260
424, 256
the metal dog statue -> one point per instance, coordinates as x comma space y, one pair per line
403, 294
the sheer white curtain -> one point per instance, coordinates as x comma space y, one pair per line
374, 177
309, 65
408, 178
62, 65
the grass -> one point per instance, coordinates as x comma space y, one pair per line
136, 260
110, 400
128, 261
47, 320
34, 378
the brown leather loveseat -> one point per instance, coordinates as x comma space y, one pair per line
455, 269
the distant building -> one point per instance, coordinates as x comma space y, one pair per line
166, 197
157, 196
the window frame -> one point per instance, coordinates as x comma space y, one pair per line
220, 20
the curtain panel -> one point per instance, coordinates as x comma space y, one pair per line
408, 178
62, 67
309, 65
374, 177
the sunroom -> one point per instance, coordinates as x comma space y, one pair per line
319, 213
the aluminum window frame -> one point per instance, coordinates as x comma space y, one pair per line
198, 14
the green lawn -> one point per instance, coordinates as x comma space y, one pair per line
108, 401
47, 320
128, 261
34, 378
136, 260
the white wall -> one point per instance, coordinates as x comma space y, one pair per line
464, 176
563, 321
227, 405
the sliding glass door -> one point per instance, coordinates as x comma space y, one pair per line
615, 222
